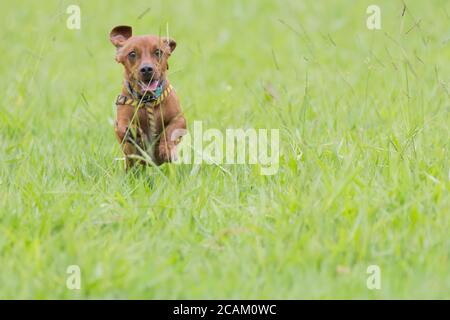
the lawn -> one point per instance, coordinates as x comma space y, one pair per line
363, 174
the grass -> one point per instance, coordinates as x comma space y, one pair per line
364, 167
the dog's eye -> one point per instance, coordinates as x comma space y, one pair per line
132, 55
158, 53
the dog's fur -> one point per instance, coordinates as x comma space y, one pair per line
150, 51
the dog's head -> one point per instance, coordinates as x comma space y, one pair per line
144, 57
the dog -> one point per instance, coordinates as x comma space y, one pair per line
149, 118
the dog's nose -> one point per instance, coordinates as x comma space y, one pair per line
146, 70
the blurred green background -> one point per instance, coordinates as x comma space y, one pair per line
364, 169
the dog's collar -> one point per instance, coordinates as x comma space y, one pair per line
132, 101
149, 96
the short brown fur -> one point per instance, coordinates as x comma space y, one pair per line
169, 120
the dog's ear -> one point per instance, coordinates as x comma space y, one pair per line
171, 43
119, 35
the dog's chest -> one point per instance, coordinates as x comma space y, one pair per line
149, 121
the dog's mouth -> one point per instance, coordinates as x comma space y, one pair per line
148, 86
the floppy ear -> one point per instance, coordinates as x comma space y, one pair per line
171, 43
119, 35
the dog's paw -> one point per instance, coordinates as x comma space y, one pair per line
168, 152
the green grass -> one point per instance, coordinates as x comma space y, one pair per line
364, 167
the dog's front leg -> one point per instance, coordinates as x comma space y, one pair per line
170, 137
125, 115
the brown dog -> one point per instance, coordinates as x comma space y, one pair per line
149, 117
